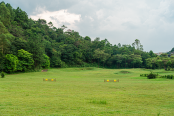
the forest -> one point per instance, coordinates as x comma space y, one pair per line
30, 45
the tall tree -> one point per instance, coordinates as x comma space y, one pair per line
35, 47
4, 15
21, 18
5, 38
149, 62
26, 61
104, 57
11, 62
165, 59
172, 61
159, 62
98, 54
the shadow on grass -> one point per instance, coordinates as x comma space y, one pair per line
124, 72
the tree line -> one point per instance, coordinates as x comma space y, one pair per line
29, 45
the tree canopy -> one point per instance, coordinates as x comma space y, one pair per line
28, 45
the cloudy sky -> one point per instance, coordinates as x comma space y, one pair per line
119, 21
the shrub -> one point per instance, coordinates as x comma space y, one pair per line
151, 76
144, 75
2, 75
169, 76
11, 62
46, 61
168, 68
26, 62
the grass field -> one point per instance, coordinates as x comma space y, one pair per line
79, 91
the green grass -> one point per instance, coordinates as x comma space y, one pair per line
82, 91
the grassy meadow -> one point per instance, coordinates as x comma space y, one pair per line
83, 92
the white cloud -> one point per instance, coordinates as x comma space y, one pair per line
58, 18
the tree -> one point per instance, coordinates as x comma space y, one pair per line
172, 61
11, 10
169, 64
50, 24
56, 60
98, 54
149, 62
5, 41
17, 44
26, 62
104, 57
165, 59
11, 62
138, 60
137, 45
21, 18
125, 58
152, 54
5, 38
87, 38
1, 62
159, 62
95, 43
119, 45
4, 15
119, 59
42, 21
154, 60
46, 61
35, 47
144, 56
133, 59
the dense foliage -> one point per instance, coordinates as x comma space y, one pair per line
2, 75
153, 76
28, 45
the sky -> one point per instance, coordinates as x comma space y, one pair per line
118, 21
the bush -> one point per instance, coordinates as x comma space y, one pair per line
11, 62
46, 62
168, 68
2, 75
151, 76
143, 75
169, 76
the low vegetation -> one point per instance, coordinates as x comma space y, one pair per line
2, 75
84, 92
153, 76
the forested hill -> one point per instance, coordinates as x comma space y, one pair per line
27, 45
